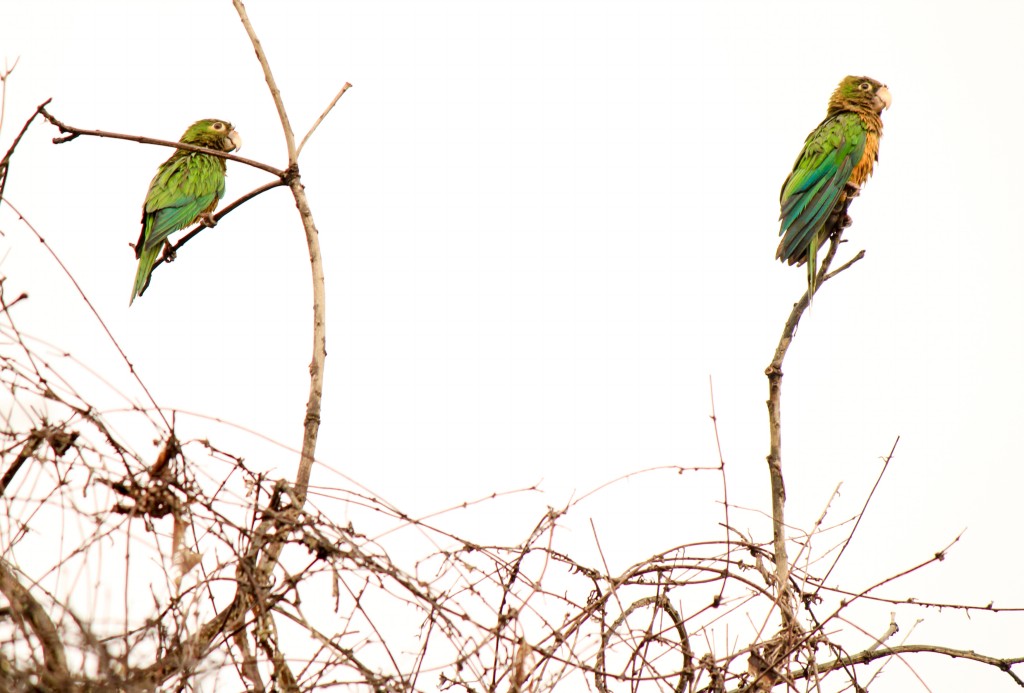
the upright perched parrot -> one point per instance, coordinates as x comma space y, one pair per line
186, 187
836, 160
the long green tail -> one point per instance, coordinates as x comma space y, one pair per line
147, 258
812, 268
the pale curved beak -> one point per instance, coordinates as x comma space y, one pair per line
884, 96
236, 140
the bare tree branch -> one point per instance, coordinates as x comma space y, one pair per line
774, 373
5, 163
275, 93
323, 115
3, 92
26, 610
75, 132
860, 515
869, 655
316, 366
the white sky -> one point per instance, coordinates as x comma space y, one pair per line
545, 225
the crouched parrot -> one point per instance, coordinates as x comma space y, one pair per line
837, 158
186, 187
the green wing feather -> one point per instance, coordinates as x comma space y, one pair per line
185, 186
812, 190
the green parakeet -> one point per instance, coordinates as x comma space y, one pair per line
186, 187
837, 158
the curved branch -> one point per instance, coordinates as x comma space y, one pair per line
686, 674
866, 656
275, 93
311, 426
75, 132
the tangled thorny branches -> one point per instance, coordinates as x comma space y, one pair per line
161, 581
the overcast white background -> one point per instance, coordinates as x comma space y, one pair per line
545, 225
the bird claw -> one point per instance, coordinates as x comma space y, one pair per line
169, 254
207, 220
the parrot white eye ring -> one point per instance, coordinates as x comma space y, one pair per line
864, 86
218, 126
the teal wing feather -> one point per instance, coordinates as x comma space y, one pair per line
812, 190
180, 192
184, 187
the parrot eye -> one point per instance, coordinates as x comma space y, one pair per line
864, 86
218, 126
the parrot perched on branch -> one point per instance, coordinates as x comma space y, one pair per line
837, 158
186, 187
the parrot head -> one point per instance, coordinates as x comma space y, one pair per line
213, 134
860, 94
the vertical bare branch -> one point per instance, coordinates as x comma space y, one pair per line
275, 93
774, 373
311, 424
725, 485
3, 92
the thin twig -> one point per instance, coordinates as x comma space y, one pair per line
893, 629
860, 516
3, 95
92, 308
628, 475
889, 632
5, 163
725, 488
319, 120
845, 266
